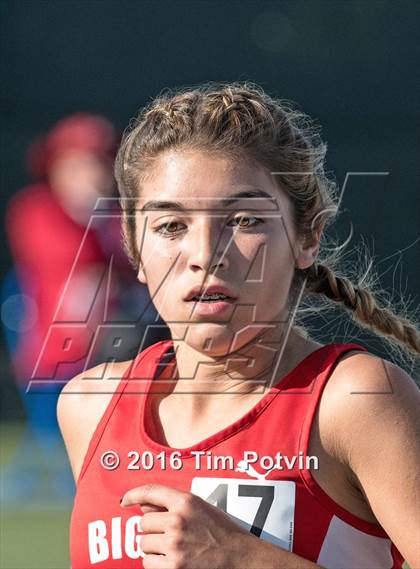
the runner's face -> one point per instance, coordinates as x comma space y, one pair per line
245, 246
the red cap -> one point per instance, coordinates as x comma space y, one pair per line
81, 131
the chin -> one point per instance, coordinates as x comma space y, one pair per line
213, 339
210, 338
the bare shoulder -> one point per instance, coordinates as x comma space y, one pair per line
363, 373
370, 418
82, 403
365, 391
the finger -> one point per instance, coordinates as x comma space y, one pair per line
154, 494
160, 522
146, 508
152, 561
153, 543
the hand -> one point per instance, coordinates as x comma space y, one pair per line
187, 532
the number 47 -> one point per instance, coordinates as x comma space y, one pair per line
219, 496
271, 517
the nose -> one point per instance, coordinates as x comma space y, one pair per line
207, 250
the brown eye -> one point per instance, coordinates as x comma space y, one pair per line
167, 229
245, 221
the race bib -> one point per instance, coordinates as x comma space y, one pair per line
265, 508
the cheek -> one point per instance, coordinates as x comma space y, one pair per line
280, 267
160, 268
267, 258
273, 276
157, 256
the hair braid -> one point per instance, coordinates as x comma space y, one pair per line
362, 305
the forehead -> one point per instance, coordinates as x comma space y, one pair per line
199, 179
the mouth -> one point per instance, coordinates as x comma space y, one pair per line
212, 307
211, 298
211, 294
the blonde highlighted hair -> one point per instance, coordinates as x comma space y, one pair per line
241, 120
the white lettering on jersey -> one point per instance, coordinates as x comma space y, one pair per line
132, 540
99, 540
98, 545
116, 538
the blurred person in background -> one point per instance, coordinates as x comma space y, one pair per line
68, 267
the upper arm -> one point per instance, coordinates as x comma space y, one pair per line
74, 415
377, 429
81, 405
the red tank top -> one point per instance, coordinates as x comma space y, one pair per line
257, 470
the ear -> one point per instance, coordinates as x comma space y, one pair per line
307, 252
141, 275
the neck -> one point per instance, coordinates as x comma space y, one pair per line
252, 369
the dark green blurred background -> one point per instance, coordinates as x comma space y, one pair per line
352, 65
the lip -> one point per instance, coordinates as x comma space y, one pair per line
211, 289
211, 308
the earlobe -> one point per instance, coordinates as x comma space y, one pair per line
305, 259
141, 274
141, 277
307, 256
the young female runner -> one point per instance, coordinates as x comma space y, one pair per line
241, 442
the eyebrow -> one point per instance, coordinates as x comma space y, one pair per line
224, 202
